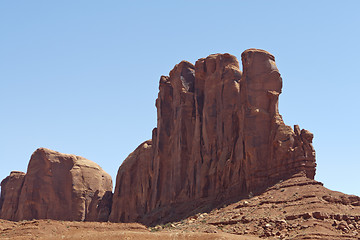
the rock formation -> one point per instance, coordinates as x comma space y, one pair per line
57, 186
10, 192
219, 138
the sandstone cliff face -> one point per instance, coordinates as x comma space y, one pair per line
219, 138
57, 186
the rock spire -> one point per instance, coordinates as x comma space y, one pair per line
219, 138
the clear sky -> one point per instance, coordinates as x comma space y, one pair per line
81, 77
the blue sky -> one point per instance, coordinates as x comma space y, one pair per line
81, 77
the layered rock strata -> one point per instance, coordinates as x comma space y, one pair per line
296, 208
57, 186
219, 138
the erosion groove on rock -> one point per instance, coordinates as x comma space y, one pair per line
219, 138
57, 186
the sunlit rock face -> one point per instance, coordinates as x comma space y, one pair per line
219, 138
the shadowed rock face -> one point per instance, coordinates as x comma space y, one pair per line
219, 138
57, 186
10, 192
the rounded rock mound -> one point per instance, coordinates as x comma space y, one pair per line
58, 186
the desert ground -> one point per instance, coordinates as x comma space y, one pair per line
297, 208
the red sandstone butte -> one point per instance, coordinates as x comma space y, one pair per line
219, 138
57, 186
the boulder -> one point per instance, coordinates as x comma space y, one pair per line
219, 138
59, 186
